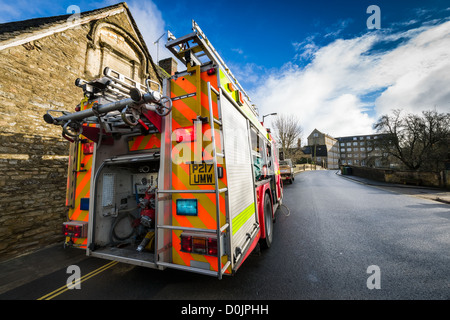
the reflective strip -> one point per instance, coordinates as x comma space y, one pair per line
145, 142
242, 217
82, 189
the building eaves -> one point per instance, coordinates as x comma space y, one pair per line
20, 31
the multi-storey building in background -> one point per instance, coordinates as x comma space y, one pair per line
363, 150
357, 150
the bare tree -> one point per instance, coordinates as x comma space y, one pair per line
418, 141
287, 131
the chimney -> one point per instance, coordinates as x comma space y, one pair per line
169, 65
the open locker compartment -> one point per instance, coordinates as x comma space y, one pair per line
124, 209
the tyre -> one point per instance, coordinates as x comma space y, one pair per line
268, 223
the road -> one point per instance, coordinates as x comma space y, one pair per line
335, 230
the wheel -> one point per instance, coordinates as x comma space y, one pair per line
268, 223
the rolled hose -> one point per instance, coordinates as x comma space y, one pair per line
114, 238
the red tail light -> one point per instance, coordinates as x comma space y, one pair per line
186, 243
88, 148
212, 247
211, 71
76, 229
199, 245
184, 134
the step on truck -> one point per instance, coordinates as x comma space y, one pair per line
180, 175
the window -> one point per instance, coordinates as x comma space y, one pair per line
342, 144
259, 155
315, 135
349, 149
355, 143
361, 138
255, 141
349, 144
355, 149
342, 149
362, 149
362, 143
355, 138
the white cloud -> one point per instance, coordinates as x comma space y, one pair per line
330, 92
237, 50
151, 25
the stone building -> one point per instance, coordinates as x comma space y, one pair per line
323, 149
40, 61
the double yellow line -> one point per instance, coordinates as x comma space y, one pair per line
64, 288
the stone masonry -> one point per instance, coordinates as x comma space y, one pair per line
39, 75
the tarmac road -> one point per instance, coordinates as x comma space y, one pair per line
338, 237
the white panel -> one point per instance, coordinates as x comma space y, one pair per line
238, 166
108, 189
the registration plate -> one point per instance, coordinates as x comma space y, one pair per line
201, 174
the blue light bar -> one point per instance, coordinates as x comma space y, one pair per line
187, 207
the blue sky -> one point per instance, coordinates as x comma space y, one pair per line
316, 60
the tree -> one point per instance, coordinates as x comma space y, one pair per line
418, 141
287, 132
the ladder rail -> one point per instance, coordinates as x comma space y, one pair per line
216, 180
208, 44
202, 41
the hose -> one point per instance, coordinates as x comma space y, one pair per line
288, 211
114, 238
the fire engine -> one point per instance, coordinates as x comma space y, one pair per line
180, 175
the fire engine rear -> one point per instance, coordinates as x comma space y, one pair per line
180, 175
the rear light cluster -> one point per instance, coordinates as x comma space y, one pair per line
88, 148
199, 245
184, 134
76, 229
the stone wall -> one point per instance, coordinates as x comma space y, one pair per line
418, 178
36, 77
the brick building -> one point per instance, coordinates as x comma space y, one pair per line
40, 60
